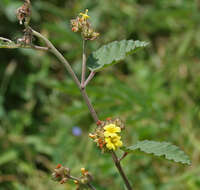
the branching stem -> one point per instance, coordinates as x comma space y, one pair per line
59, 56
81, 86
123, 156
71, 72
91, 75
121, 171
85, 96
8, 44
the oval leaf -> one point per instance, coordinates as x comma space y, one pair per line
171, 152
112, 53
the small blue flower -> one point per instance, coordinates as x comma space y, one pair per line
76, 131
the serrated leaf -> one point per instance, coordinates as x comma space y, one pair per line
170, 151
113, 53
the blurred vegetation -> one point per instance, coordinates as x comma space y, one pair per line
156, 91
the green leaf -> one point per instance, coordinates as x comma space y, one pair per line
112, 53
8, 156
171, 152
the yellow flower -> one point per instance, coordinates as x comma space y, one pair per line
85, 15
111, 130
113, 142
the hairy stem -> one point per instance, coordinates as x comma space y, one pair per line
91, 75
121, 171
83, 64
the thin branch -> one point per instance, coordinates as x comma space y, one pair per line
8, 44
59, 56
73, 178
77, 179
69, 69
5, 39
82, 89
90, 106
121, 171
123, 156
85, 96
40, 48
91, 186
83, 64
91, 75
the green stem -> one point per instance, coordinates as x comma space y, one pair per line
91, 75
83, 64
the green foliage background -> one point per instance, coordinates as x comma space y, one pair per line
156, 91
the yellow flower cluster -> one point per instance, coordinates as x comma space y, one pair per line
112, 139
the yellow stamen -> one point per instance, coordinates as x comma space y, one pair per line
85, 15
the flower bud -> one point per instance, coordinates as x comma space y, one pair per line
76, 182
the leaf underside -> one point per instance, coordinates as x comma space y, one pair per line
10, 45
112, 53
170, 151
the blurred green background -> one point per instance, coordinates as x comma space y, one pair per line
156, 91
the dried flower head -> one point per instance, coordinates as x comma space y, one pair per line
61, 174
24, 12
